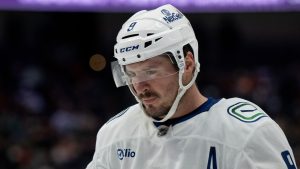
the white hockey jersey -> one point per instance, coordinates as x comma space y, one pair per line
220, 134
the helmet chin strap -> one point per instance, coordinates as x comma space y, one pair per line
181, 90
173, 109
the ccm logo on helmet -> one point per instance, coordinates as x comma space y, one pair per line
129, 48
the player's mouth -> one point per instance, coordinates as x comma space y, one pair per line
148, 101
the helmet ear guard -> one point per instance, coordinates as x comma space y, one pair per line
151, 33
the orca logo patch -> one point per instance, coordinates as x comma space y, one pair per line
246, 112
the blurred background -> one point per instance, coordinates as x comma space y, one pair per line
56, 88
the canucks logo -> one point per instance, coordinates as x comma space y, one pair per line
246, 112
171, 16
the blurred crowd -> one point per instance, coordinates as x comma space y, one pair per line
52, 103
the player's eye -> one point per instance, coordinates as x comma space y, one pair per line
130, 74
150, 72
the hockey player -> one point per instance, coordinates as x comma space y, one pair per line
174, 126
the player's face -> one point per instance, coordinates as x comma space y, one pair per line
155, 82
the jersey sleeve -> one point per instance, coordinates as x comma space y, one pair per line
99, 160
109, 134
267, 147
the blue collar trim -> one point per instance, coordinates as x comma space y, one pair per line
202, 108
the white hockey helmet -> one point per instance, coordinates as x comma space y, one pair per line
151, 33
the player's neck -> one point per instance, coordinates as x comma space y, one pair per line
191, 100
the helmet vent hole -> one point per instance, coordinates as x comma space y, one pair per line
129, 36
148, 44
149, 34
157, 39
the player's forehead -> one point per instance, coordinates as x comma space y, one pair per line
160, 61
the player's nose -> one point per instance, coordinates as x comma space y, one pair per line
140, 87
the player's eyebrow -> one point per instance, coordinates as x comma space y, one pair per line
142, 70
154, 64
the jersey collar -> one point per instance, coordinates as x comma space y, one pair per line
202, 108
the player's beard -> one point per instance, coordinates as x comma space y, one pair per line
155, 111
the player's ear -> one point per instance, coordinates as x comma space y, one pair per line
189, 68
189, 62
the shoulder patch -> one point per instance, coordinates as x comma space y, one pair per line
246, 112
